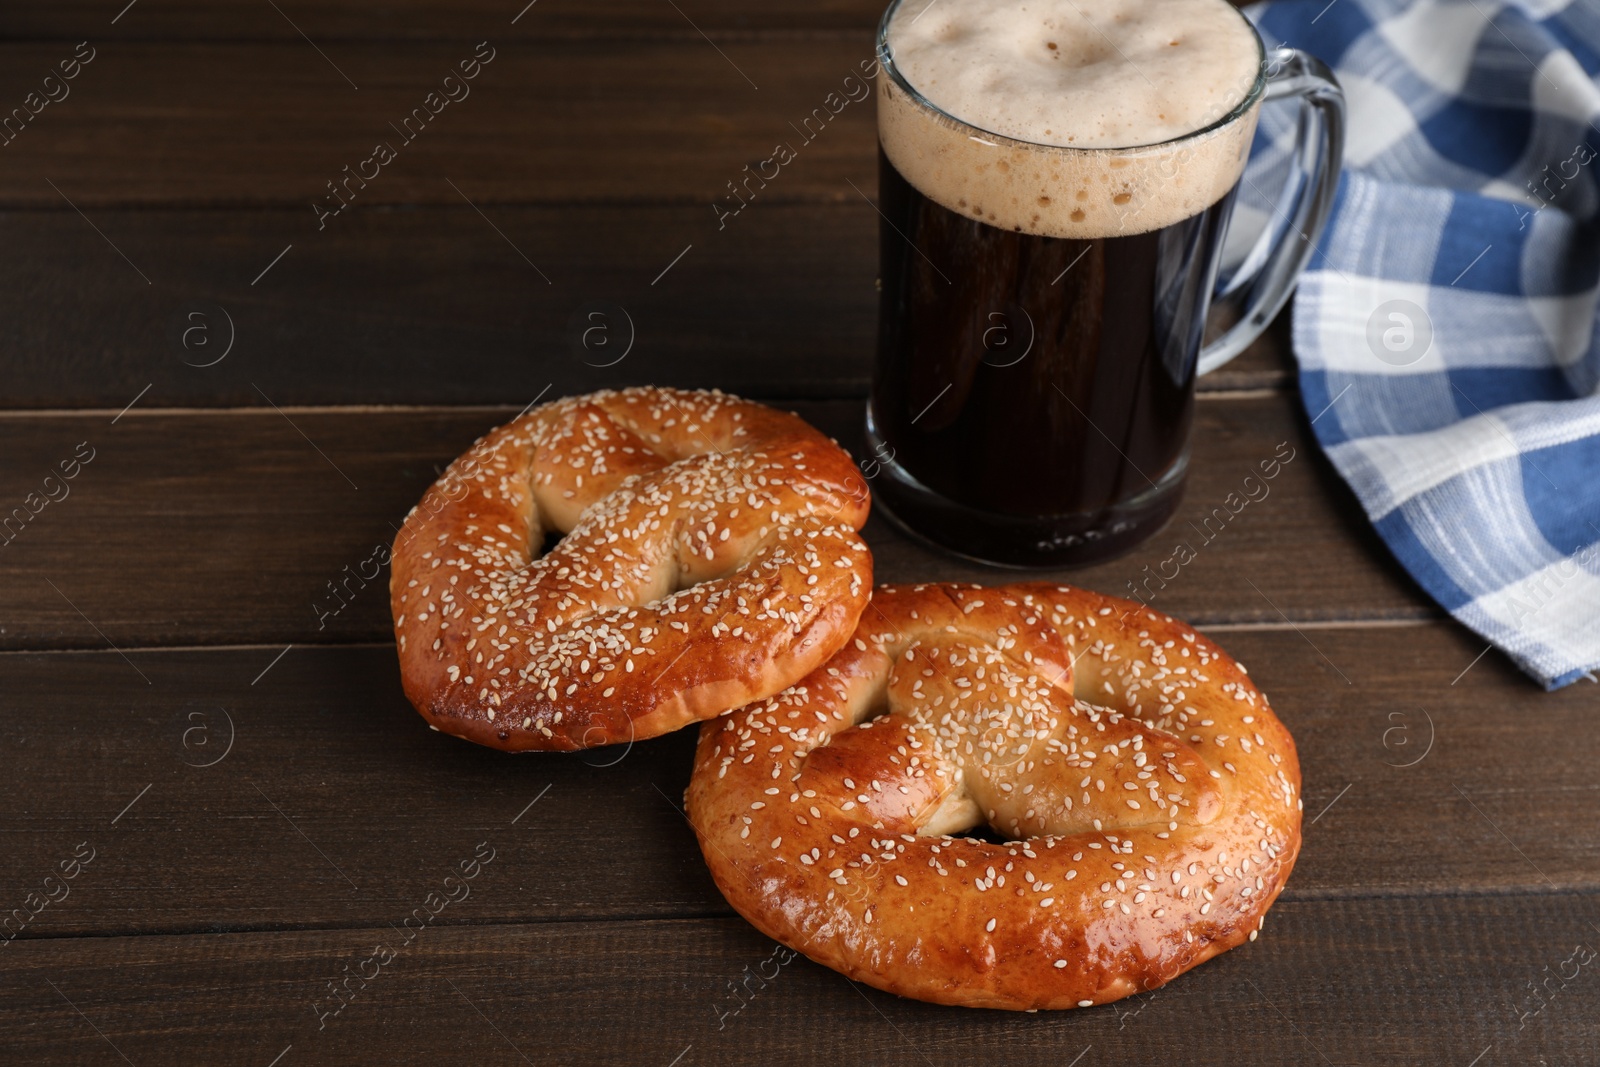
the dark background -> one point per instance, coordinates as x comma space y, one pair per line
186, 701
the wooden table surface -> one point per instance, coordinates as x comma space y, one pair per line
217, 803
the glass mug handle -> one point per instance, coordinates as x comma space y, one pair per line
1268, 274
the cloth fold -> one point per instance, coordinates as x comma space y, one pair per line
1445, 328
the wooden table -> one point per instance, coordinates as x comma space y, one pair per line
216, 750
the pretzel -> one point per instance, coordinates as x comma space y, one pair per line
1148, 797
710, 558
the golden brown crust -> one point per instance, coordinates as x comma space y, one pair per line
1151, 796
710, 559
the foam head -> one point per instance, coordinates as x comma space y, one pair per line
1070, 118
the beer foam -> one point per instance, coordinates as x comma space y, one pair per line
1070, 118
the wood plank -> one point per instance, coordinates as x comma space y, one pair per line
229, 527
222, 124
278, 125
400, 20
1408, 981
335, 796
434, 307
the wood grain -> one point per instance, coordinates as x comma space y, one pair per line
230, 125
1404, 981
435, 307
236, 527
407, 20
334, 799
401, 20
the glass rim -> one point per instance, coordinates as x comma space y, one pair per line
886, 64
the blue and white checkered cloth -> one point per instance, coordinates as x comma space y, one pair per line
1446, 325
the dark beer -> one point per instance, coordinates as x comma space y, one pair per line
1033, 395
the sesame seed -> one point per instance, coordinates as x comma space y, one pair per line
985, 730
